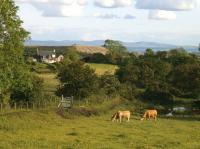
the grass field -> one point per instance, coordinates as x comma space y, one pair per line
50, 82
47, 130
102, 68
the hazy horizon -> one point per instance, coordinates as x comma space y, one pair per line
163, 21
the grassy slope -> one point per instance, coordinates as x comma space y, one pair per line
45, 129
102, 68
50, 82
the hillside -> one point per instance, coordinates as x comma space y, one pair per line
91, 49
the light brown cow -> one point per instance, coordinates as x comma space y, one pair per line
150, 114
121, 114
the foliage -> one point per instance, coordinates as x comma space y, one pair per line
109, 83
186, 79
27, 88
116, 51
70, 56
128, 91
77, 80
12, 36
149, 52
158, 94
96, 58
162, 75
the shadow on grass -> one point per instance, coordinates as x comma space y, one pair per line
183, 117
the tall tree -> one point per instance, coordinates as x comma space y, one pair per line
12, 36
116, 51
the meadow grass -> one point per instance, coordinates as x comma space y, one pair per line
47, 130
50, 82
100, 69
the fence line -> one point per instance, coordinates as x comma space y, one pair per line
28, 105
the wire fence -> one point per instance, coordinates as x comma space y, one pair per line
28, 105
52, 102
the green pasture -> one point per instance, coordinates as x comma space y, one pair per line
47, 130
102, 68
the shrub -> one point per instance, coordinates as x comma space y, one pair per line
77, 80
158, 94
110, 84
28, 88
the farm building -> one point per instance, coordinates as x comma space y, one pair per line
49, 56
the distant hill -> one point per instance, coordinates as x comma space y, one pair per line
132, 46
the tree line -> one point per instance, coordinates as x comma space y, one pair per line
154, 77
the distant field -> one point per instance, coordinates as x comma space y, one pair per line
102, 68
46, 130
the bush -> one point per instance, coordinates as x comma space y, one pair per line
28, 88
109, 84
128, 91
96, 58
158, 94
77, 80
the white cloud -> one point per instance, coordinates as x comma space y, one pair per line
57, 8
89, 36
129, 16
171, 5
162, 15
82, 2
106, 16
113, 3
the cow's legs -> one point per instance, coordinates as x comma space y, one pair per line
120, 119
128, 119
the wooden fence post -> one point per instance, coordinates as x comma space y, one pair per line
15, 105
1, 107
26, 105
20, 106
39, 105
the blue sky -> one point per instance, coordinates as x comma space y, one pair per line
167, 21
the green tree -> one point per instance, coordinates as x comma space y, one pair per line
149, 52
78, 80
186, 80
13, 69
109, 83
71, 54
116, 46
12, 36
117, 51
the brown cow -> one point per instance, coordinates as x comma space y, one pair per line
150, 114
120, 114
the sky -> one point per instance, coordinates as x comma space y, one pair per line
166, 21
